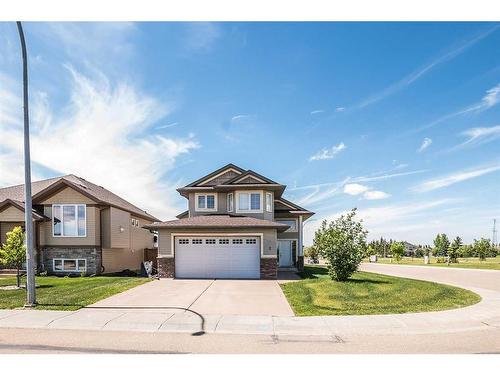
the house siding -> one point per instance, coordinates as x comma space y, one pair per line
6, 227
116, 260
12, 214
93, 237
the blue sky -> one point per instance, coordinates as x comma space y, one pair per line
401, 120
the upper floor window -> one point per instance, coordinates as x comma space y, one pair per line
230, 202
206, 202
69, 220
249, 202
269, 202
292, 223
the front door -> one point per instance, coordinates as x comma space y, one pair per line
285, 253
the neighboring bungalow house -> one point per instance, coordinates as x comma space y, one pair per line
237, 225
79, 227
410, 249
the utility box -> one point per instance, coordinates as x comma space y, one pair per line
426, 259
373, 259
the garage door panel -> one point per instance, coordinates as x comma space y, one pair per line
222, 259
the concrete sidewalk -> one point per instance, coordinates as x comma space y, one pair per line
480, 317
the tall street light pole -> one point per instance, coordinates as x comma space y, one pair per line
28, 206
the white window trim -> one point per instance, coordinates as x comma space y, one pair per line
62, 235
271, 201
249, 192
289, 230
63, 270
232, 202
198, 209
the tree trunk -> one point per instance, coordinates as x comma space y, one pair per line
18, 278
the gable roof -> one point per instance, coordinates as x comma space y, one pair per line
250, 175
20, 206
230, 176
219, 171
282, 205
45, 188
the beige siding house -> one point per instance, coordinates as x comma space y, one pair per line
237, 225
80, 227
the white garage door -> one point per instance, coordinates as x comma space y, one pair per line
217, 257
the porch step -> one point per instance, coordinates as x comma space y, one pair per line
287, 269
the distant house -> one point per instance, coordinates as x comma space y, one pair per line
79, 227
410, 249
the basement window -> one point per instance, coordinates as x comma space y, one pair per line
69, 265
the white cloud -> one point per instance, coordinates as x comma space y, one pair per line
339, 109
375, 195
411, 221
201, 36
454, 178
355, 189
480, 135
330, 153
239, 117
489, 100
417, 74
317, 111
425, 144
104, 135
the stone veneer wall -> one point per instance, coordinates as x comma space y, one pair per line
300, 263
92, 254
166, 267
268, 268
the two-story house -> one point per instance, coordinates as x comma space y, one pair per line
79, 227
237, 225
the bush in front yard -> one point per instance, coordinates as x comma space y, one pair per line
342, 243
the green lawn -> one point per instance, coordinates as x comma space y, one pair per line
370, 293
487, 264
67, 293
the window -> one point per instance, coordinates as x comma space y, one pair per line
292, 223
69, 220
135, 222
251, 241
69, 265
269, 202
183, 241
210, 241
237, 241
197, 241
206, 202
230, 202
249, 201
224, 241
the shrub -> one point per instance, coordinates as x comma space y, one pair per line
397, 250
342, 243
440, 260
13, 252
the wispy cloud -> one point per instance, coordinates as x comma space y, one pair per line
328, 153
239, 117
385, 176
375, 195
404, 221
201, 36
419, 73
425, 144
171, 125
481, 135
102, 136
490, 99
355, 189
454, 178
339, 109
317, 111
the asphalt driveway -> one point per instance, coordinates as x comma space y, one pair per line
212, 297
